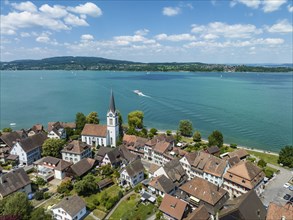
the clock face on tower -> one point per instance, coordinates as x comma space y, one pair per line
110, 115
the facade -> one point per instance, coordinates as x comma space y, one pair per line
76, 151
161, 185
28, 150
132, 174
103, 135
199, 191
14, 181
242, 177
158, 152
173, 208
70, 208
56, 130
206, 166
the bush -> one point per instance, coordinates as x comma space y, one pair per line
40, 181
234, 146
96, 202
269, 173
251, 159
39, 195
74, 137
261, 163
91, 206
47, 195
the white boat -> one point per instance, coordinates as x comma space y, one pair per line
12, 124
138, 92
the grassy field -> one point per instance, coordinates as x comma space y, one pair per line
50, 202
100, 214
269, 158
132, 209
89, 218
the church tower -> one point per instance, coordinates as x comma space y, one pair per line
112, 123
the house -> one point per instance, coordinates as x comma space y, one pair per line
135, 144
199, 191
51, 167
7, 140
214, 150
159, 152
29, 149
14, 181
204, 165
241, 153
103, 135
37, 128
132, 174
113, 158
56, 130
174, 171
278, 212
81, 168
71, 208
100, 154
161, 185
245, 207
233, 161
242, 177
75, 151
152, 169
200, 213
173, 208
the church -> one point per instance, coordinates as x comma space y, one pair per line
103, 135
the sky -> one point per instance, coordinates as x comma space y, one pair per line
209, 31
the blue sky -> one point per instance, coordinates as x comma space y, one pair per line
211, 31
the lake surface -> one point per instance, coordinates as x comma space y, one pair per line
250, 109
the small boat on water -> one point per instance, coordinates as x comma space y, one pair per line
12, 124
138, 92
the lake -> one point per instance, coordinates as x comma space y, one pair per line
250, 109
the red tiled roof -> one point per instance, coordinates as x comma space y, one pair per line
173, 207
94, 130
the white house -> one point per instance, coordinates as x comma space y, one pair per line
28, 149
103, 135
56, 130
158, 152
52, 167
132, 174
161, 185
70, 208
75, 151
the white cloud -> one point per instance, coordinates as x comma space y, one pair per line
226, 30
127, 38
249, 3
175, 37
171, 11
87, 37
87, 9
25, 6
24, 34
75, 21
43, 39
282, 26
272, 5
142, 32
210, 37
290, 8
57, 11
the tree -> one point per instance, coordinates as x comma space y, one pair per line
52, 147
178, 136
120, 121
65, 187
80, 121
261, 163
135, 119
159, 215
233, 146
6, 129
40, 181
185, 128
92, 118
216, 138
286, 156
17, 204
196, 136
168, 132
86, 186
39, 213
39, 195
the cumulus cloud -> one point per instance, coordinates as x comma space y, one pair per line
43, 39
282, 26
87, 9
171, 11
75, 21
266, 5
87, 37
24, 34
142, 32
25, 6
249, 3
57, 11
290, 8
175, 37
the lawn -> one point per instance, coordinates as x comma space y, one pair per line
269, 158
52, 201
100, 214
132, 209
89, 218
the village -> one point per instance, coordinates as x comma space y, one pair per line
155, 177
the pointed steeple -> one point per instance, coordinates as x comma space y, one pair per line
112, 103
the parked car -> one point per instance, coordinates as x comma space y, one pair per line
291, 188
287, 185
286, 197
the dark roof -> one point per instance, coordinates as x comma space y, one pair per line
10, 138
72, 205
83, 166
241, 153
105, 182
12, 157
13, 181
175, 172
201, 213
57, 163
162, 183
76, 147
213, 149
33, 142
126, 154
233, 160
134, 168
112, 103
245, 207
102, 152
114, 156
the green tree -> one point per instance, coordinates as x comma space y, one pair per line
17, 204
69, 132
178, 136
120, 121
154, 131
168, 132
86, 186
233, 146
159, 215
216, 138
135, 119
39, 195
92, 118
286, 156
185, 128
80, 121
6, 129
40, 213
261, 163
40, 181
65, 187
196, 136
52, 147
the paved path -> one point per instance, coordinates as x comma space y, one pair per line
122, 199
92, 215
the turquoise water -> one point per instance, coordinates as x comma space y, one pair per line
250, 109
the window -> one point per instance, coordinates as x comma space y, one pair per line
111, 140
111, 121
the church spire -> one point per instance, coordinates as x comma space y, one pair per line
112, 103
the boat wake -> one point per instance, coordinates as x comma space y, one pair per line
140, 93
